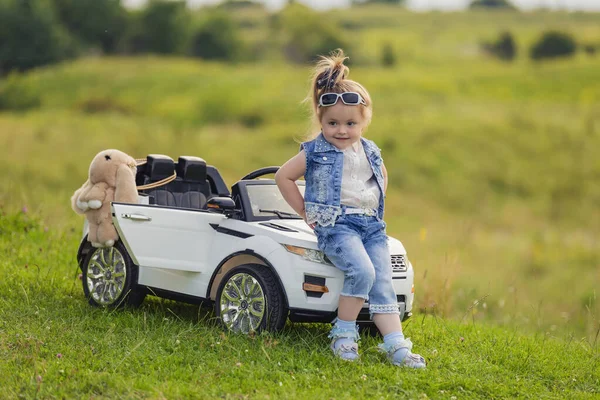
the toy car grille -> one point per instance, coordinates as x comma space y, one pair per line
399, 263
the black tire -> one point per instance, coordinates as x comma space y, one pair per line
109, 278
250, 299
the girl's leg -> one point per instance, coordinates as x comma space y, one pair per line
383, 304
349, 307
342, 244
387, 323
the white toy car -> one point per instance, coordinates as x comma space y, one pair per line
246, 251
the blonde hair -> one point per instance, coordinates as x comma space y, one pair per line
330, 76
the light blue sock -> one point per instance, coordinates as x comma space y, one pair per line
391, 339
346, 324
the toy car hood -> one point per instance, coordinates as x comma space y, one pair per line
296, 232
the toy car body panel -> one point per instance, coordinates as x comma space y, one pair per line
162, 237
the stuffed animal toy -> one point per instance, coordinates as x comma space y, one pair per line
111, 178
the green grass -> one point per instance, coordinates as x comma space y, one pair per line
54, 345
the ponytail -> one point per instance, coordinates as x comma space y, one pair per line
329, 72
331, 75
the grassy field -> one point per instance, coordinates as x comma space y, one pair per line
493, 191
54, 345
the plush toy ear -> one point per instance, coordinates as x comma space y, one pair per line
125, 191
76, 205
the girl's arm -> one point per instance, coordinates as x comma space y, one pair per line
286, 179
385, 178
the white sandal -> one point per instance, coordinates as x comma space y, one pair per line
411, 360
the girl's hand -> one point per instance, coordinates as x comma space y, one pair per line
303, 215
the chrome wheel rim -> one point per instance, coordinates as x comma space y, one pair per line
106, 275
242, 303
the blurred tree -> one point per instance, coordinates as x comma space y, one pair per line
217, 38
30, 35
504, 47
306, 34
553, 44
162, 27
504, 4
388, 56
99, 23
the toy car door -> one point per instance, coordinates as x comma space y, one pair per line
166, 237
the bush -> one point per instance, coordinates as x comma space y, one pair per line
503, 48
306, 34
98, 23
96, 105
30, 35
590, 49
388, 57
17, 95
553, 44
217, 39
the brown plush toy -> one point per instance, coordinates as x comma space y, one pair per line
111, 178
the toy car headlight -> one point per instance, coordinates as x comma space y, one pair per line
308, 254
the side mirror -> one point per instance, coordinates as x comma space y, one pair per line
225, 205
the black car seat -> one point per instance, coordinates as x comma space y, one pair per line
191, 174
159, 167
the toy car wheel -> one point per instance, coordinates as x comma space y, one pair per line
110, 278
249, 299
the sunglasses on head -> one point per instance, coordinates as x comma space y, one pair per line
348, 98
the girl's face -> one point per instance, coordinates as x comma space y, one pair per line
342, 125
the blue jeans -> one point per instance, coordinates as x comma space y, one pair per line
357, 245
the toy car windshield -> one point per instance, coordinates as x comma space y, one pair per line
266, 200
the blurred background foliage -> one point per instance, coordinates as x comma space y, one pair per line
489, 122
39, 32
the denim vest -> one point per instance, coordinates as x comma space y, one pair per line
323, 176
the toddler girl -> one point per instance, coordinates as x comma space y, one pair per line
343, 202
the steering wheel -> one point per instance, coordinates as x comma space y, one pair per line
260, 172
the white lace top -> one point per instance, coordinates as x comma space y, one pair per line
359, 186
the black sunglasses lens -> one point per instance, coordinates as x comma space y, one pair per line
350, 98
329, 99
